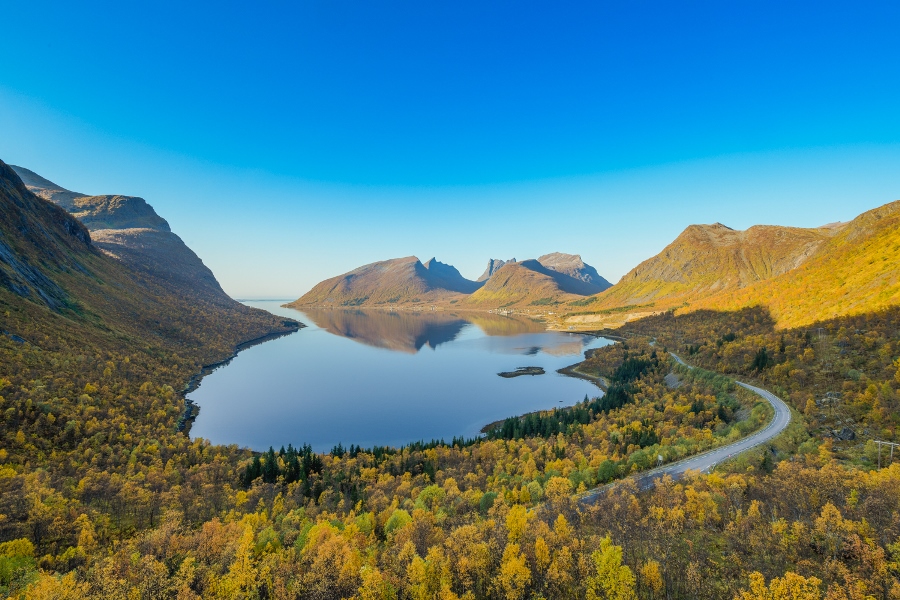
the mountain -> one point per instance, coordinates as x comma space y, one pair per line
129, 229
855, 270
800, 275
96, 212
443, 276
529, 283
573, 266
387, 282
709, 259
493, 266
55, 280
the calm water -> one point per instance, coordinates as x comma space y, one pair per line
380, 378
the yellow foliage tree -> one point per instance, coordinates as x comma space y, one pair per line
613, 580
790, 587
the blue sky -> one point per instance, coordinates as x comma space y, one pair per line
290, 141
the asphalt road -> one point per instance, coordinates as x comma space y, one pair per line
705, 461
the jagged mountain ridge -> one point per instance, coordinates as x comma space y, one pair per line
493, 266
129, 229
407, 280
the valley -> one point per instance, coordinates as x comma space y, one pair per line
376, 386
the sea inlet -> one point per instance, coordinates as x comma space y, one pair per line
376, 377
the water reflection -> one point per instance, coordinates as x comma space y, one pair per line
409, 331
366, 377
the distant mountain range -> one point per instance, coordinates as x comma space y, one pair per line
801, 275
552, 279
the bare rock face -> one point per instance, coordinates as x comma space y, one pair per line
96, 212
493, 266
573, 266
117, 212
129, 229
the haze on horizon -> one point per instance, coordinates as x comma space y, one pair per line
288, 144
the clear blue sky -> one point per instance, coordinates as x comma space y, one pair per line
290, 141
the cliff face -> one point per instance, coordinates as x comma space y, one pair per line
129, 229
493, 266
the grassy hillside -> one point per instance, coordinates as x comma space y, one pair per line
799, 275
708, 259
855, 271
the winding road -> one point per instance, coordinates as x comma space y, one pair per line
705, 461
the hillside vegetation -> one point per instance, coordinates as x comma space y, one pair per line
854, 271
799, 275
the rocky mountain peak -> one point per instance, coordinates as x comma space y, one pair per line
493, 266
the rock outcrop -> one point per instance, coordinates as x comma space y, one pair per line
493, 266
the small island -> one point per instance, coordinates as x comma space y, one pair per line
522, 371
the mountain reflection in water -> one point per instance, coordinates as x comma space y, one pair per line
409, 331
372, 377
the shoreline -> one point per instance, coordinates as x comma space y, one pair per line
191, 409
569, 371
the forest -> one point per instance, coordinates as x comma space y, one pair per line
102, 496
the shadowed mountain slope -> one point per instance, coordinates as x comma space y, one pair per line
395, 281
573, 266
130, 230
